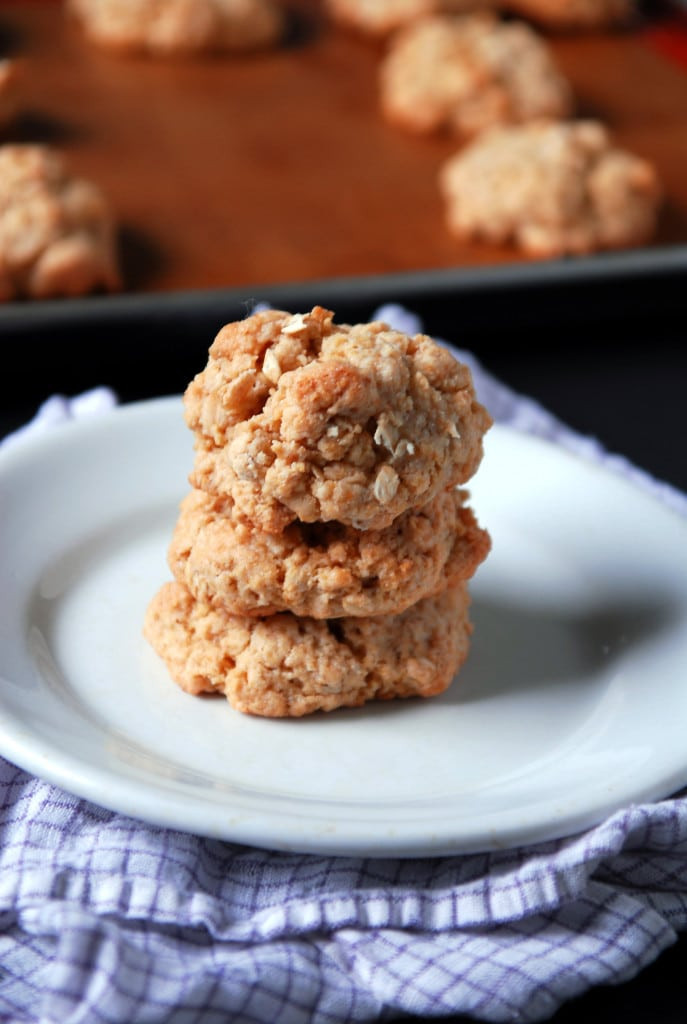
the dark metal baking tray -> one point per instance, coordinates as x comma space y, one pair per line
600, 340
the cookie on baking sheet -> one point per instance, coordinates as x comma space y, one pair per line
57, 231
379, 18
297, 417
285, 666
177, 27
324, 570
552, 189
574, 15
468, 73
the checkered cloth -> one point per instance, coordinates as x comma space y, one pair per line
105, 919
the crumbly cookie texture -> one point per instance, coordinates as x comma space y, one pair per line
297, 417
551, 188
574, 14
466, 74
57, 232
285, 666
379, 18
324, 570
178, 27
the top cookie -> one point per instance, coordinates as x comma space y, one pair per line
297, 417
177, 27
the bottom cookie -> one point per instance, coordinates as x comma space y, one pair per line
284, 666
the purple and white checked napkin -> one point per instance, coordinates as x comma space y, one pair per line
105, 919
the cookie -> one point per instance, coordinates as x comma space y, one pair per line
285, 666
296, 417
379, 18
324, 570
179, 27
57, 231
466, 74
550, 188
574, 15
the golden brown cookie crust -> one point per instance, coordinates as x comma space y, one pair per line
324, 570
57, 231
180, 27
552, 188
285, 666
466, 74
296, 417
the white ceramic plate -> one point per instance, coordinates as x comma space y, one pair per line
572, 704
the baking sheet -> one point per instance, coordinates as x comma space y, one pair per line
243, 172
599, 341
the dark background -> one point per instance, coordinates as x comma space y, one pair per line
601, 342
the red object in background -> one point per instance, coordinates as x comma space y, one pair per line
669, 37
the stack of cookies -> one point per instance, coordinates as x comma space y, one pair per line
322, 558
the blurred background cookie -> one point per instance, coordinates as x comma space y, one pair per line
378, 18
57, 231
551, 188
468, 73
177, 27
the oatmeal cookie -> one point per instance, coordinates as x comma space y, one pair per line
178, 27
379, 18
285, 666
573, 14
297, 417
468, 73
324, 570
57, 232
552, 188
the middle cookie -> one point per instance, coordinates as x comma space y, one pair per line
324, 570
